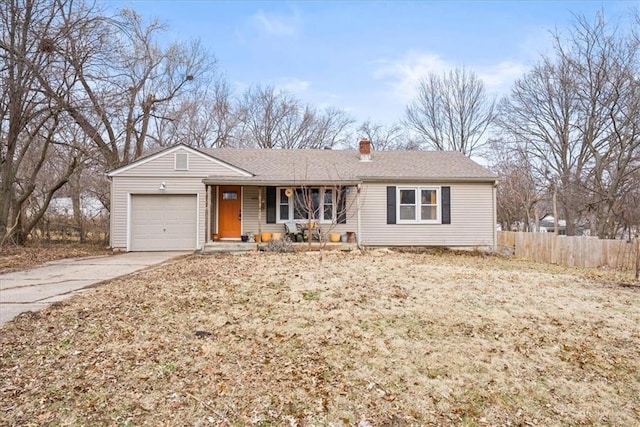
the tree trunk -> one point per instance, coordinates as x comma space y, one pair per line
78, 216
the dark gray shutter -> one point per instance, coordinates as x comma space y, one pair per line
391, 205
271, 205
446, 205
342, 206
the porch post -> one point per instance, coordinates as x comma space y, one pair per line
259, 210
207, 212
495, 218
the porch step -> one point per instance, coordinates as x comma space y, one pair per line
228, 247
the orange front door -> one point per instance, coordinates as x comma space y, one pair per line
229, 211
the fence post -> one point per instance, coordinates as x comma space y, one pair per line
637, 256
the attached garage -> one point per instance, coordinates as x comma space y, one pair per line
164, 222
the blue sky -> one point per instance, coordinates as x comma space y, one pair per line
366, 57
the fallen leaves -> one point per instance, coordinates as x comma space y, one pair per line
14, 258
380, 338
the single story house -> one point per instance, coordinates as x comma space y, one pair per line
181, 197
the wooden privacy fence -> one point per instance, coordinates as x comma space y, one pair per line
572, 251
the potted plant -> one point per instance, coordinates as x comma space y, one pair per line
334, 237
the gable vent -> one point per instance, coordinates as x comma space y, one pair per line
182, 161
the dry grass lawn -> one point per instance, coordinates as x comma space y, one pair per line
375, 338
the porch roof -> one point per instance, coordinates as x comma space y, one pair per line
255, 181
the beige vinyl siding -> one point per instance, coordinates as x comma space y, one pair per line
124, 186
472, 218
164, 165
250, 210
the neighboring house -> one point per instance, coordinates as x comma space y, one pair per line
91, 207
178, 198
547, 225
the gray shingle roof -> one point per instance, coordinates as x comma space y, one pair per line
345, 165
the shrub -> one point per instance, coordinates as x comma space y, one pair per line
280, 245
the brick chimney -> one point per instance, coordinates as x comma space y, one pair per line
365, 150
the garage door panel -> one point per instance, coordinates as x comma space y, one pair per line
163, 222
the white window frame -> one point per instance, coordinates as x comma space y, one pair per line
418, 205
291, 205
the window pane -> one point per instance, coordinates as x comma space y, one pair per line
229, 195
283, 206
284, 212
299, 210
407, 212
328, 197
407, 197
429, 197
305, 201
328, 212
315, 203
429, 212
328, 205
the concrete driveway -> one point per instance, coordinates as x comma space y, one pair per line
37, 288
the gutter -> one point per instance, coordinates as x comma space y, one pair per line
253, 181
493, 180
277, 183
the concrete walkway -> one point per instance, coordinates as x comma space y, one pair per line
37, 288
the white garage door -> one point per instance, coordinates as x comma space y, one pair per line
163, 223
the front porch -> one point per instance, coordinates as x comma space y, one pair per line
236, 212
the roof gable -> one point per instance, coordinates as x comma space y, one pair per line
180, 147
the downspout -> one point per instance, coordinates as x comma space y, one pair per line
358, 227
111, 195
495, 218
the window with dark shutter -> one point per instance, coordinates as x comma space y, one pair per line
419, 205
446, 205
391, 205
271, 205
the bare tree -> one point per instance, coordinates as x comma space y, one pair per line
629, 219
320, 208
451, 112
519, 197
263, 113
539, 117
116, 75
384, 137
208, 117
576, 114
29, 122
275, 119
65, 64
330, 128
